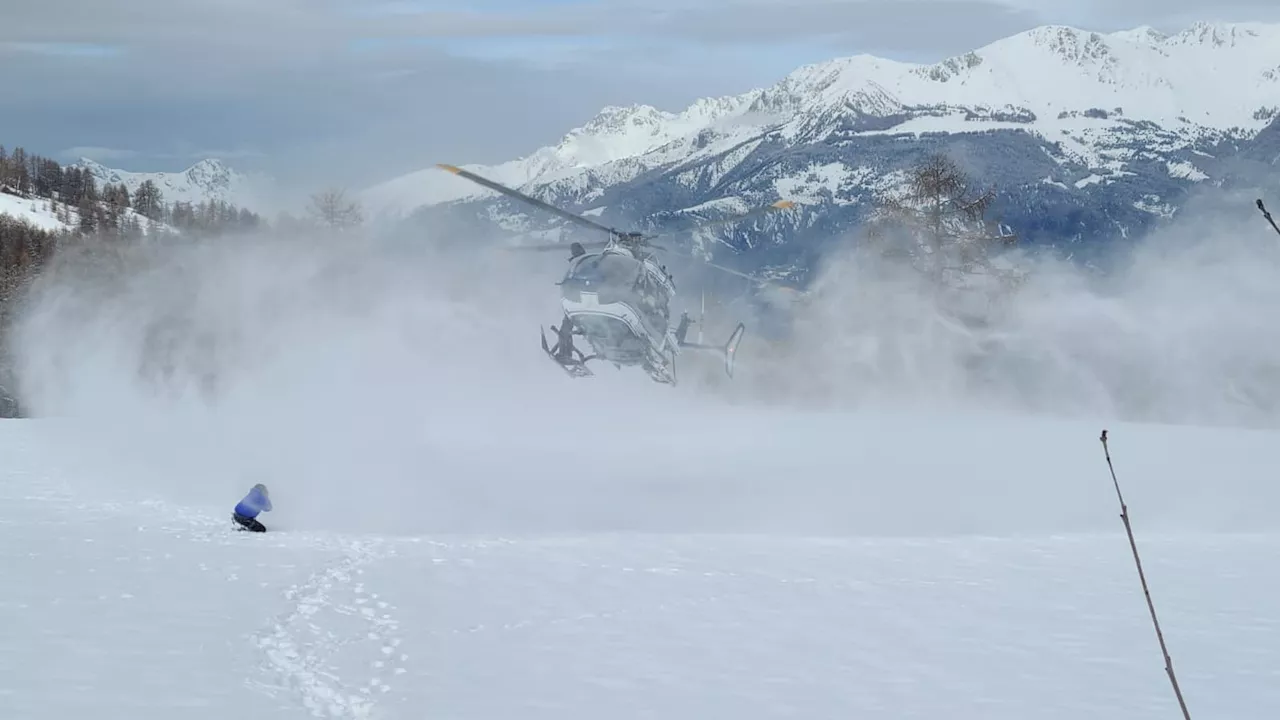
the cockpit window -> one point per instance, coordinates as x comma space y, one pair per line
618, 278
615, 272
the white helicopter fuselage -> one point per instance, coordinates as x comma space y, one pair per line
621, 304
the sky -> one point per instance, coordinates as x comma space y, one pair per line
347, 93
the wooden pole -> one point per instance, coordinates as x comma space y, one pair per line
1124, 515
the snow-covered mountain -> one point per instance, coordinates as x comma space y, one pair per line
1111, 129
207, 180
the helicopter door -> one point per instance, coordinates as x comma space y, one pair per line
651, 303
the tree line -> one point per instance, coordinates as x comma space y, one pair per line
73, 195
86, 212
90, 213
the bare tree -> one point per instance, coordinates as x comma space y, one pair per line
940, 223
332, 208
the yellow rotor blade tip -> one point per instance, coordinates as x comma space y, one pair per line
451, 168
784, 205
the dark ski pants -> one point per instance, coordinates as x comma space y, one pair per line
250, 524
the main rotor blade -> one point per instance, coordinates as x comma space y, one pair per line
526, 199
757, 280
553, 246
731, 271
779, 205
1267, 215
745, 276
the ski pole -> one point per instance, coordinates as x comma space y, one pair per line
1124, 515
1263, 209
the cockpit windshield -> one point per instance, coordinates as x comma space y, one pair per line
608, 272
619, 279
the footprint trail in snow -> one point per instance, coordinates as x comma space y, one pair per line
309, 655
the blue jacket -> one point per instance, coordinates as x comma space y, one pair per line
253, 503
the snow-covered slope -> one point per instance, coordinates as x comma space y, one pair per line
1121, 123
34, 210
616, 135
40, 212
207, 180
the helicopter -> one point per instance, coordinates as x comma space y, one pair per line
618, 297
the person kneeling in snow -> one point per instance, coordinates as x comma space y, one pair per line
247, 510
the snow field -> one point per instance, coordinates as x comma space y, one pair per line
35, 211
160, 610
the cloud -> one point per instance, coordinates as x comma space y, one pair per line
109, 155
59, 49
415, 104
365, 91
915, 30
99, 154
307, 28
1170, 16
251, 25
356, 115
895, 28
229, 37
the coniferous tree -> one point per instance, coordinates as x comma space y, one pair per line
88, 216
89, 186
149, 200
18, 176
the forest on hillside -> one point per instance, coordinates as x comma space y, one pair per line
87, 212
75, 197
97, 216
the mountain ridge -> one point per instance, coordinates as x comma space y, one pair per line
208, 179
1065, 82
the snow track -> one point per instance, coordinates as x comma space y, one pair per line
304, 653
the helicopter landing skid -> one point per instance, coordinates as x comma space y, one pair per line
664, 374
575, 367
